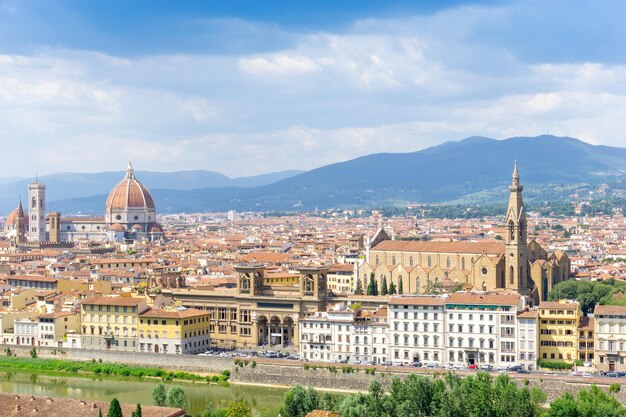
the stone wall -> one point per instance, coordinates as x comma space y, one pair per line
193, 363
287, 373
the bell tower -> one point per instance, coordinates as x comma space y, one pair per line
516, 238
313, 282
250, 279
37, 211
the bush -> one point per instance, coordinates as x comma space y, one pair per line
33, 353
253, 364
555, 365
614, 388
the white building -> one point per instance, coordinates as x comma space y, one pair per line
527, 339
482, 328
417, 331
25, 331
325, 336
610, 338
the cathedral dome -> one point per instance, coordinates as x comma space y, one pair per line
11, 219
129, 193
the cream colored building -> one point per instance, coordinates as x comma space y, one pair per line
610, 338
513, 264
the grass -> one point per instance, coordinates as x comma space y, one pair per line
105, 369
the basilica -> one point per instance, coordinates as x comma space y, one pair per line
512, 264
129, 215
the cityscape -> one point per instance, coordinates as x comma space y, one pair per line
255, 209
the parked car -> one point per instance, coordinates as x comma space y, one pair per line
515, 368
458, 366
612, 374
523, 371
486, 367
416, 364
342, 361
472, 366
432, 365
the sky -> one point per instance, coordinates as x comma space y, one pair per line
247, 87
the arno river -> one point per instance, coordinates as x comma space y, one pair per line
265, 402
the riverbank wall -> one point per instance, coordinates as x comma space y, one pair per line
266, 372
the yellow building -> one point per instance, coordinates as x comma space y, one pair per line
177, 330
558, 330
111, 322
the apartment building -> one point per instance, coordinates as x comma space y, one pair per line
482, 328
610, 338
179, 330
527, 338
416, 326
586, 341
558, 330
111, 323
369, 336
325, 336
52, 328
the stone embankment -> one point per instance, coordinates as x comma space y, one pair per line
288, 373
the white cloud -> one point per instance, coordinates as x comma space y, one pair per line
392, 85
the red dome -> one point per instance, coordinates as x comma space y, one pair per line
129, 193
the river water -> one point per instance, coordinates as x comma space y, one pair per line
265, 402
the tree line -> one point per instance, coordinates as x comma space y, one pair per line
479, 395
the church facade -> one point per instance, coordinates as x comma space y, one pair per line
129, 215
514, 264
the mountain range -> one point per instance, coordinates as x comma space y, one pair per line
438, 174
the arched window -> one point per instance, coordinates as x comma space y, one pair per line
393, 260
484, 286
463, 263
430, 263
411, 261
377, 260
511, 275
448, 262
511, 231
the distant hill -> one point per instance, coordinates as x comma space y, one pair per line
76, 186
437, 174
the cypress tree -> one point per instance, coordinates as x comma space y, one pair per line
115, 409
392, 288
374, 287
137, 412
400, 289
383, 289
359, 288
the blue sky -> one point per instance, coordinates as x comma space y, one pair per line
245, 87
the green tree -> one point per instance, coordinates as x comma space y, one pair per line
400, 289
359, 288
238, 409
137, 411
115, 409
175, 397
159, 394
99, 412
299, 401
211, 411
327, 402
383, 286
392, 288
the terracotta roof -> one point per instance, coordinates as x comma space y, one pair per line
114, 301
22, 405
129, 193
528, 314
613, 310
483, 298
490, 247
174, 314
38, 278
430, 300
556, 304
322, 413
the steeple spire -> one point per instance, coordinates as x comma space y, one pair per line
515, 172
130, 172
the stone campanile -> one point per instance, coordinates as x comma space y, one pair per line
516, 238
37, 212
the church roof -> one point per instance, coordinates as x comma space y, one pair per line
490, 247
129, 193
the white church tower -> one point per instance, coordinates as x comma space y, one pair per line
37, 212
